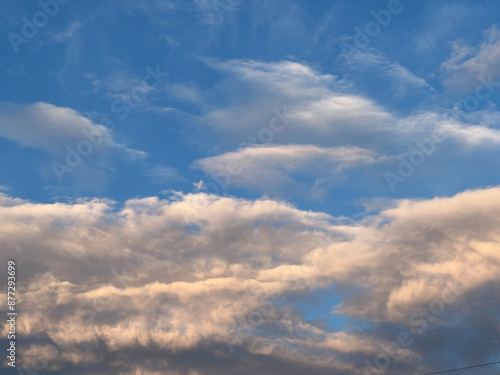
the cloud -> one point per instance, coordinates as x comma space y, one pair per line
433, 35
471, 131
206, 12
181, 279
49, 128
68, 34
397, 80
320, 106
323, 110
290, 104
74, 148
273, 167
468, 67
46, 127
119, 84
164, 174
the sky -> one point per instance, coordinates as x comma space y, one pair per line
198, 187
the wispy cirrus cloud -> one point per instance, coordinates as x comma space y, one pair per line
470, 66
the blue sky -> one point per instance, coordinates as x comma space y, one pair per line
83, 60
298, 126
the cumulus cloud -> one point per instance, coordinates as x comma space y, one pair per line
201, 276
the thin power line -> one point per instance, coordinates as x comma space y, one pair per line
462, 368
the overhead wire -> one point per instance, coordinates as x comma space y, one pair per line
462, 368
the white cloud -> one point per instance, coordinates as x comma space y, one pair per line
76, 146
468, 67
365, 60
399, 79
185, 274
290, 104
69, 33
210, 13
272, 166
47, 127
320, 107
164, 174
473, 131
122, 85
